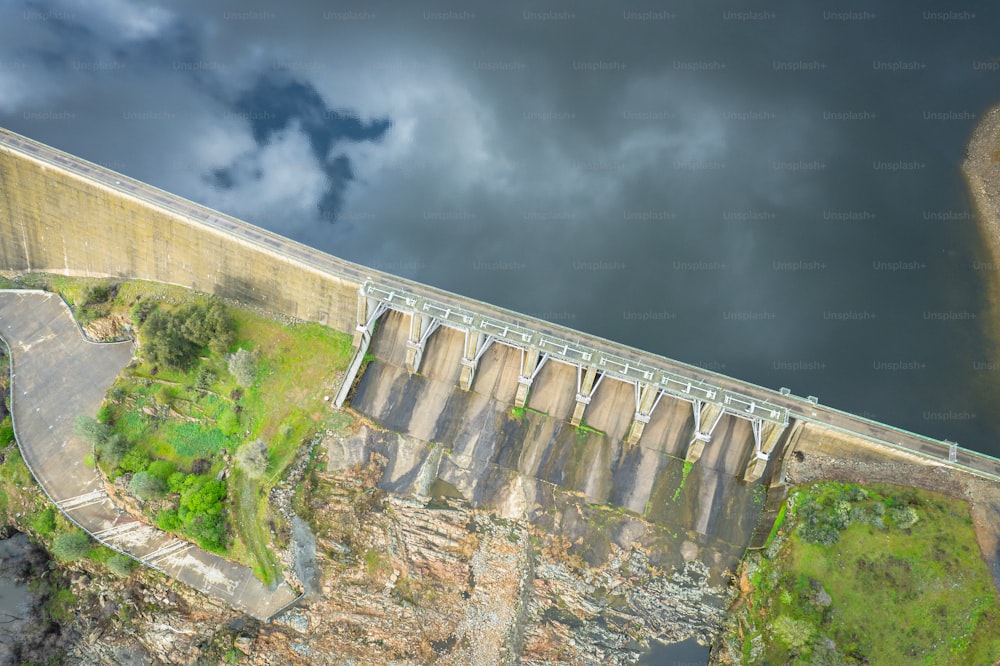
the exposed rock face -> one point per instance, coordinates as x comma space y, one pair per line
410, 580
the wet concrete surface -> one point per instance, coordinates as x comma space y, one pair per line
57, 376
523, 464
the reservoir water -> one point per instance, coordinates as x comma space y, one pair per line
774, 194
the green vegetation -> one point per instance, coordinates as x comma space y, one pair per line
253, 459
176, 337
6, 432
61, 605
45, 522
70, 546
121, 565
147, 487
243, 367
205, 424
93, 301
583, 428
884, 575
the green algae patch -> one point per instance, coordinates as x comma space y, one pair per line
684, 476
879, 575
667, 503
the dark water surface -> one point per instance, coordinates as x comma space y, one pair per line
686, 653
774, 194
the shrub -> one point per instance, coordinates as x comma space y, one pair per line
903, 517
819, 533
141, 311
166, 395
112, 450
90, 431
161, 469
136, 460
147, 487
70, 546
855, 494
95, 294
175, 337
175, 482
45, 522
205, 378
209, 531
202, 494
167, 519
793, 633
121, 565
243, 367
253, 458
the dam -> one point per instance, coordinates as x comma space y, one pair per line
516, 413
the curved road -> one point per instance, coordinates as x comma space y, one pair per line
57, 375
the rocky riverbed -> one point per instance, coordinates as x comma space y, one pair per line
27, 633
392, 578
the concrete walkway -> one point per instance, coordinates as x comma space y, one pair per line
57, 375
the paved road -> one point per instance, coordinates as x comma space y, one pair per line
797, 407
58, 375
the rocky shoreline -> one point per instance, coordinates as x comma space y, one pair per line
982, 173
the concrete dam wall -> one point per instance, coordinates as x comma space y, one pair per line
515, 413
63, 215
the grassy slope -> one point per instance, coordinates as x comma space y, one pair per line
921, 595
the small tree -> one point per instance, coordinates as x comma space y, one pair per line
112, 450
147, 487
206, 377
904, 516
90, 431
243, 367
253, 458
70, 546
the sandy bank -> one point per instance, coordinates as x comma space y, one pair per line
982, 172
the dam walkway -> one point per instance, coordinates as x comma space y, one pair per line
57, 375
